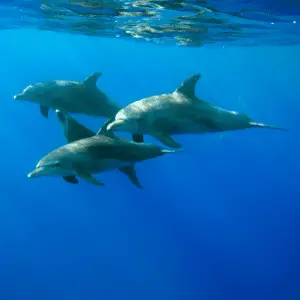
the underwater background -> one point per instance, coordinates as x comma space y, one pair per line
219, 221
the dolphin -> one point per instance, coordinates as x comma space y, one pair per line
179, 112
100, 153
70, 97
74, 131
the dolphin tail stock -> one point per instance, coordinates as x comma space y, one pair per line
262, 125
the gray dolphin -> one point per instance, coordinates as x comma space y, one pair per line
74, 131
179, 112
70, 96
96, 154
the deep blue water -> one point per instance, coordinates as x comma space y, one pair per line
217, 222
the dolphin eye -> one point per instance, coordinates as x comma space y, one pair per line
54, 164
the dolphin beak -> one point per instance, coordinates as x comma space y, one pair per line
18, 97
61, 116
115, 124
34, 173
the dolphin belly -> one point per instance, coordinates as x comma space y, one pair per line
102, 165
186, 126
213, 119
86, 103
79, 100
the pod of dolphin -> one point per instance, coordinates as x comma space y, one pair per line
87, 153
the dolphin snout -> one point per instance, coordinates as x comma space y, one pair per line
61, 116
110, 126
33, 174
18, 97
115, 124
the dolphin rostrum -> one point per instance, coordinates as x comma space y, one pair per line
179, 112
74, 131
96, 154
70, 97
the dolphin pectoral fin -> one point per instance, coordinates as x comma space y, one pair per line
90, 179
138, 137
131, 173
187, 88
166, 139
71, 179
91, 81
44, 111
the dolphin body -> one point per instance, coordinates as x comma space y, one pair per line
179, 112
70, 97
74, 131
96, 154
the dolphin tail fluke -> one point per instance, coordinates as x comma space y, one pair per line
262, 125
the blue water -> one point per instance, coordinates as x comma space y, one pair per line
217, 222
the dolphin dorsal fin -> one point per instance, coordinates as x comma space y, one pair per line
187, 88
91, 80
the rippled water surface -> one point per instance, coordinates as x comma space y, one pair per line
186, 23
